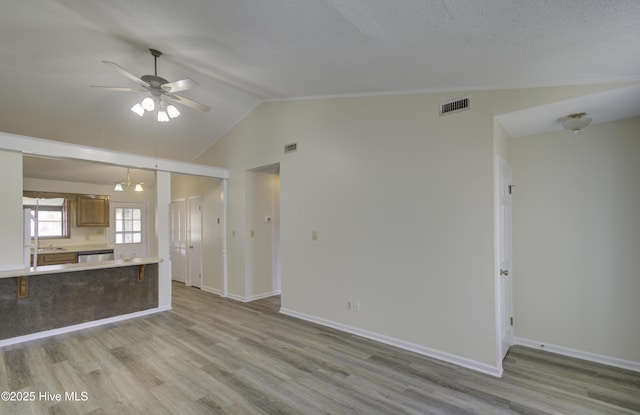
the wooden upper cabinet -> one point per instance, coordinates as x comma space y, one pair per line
92, 210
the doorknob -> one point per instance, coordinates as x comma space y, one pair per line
504, 272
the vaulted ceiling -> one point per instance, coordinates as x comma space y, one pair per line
243, 52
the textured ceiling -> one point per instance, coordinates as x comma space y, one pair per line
243, 52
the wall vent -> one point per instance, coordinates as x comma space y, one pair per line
288, 148
457, 105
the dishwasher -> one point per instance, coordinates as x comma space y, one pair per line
95, 256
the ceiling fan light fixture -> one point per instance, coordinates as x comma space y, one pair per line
158, 88
139, 187
148, 104
576, 122
118, 188
173, 111
138, 109
163, 116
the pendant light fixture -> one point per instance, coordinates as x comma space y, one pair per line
137, 185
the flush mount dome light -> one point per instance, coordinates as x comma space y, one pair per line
576, 122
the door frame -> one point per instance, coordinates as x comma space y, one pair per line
198, 200
504, 295
179, 206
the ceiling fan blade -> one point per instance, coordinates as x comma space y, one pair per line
118, 88
177, 86
126, 73
188, 102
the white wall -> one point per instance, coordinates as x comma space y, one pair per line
577, 239
11, 219
185, 186
402, 201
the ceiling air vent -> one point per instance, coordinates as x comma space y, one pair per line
288, 148
457, 105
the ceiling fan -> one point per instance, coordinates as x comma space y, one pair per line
159, 88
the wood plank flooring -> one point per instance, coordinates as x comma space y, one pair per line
217, 356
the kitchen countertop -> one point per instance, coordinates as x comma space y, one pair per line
56, 269
52, 249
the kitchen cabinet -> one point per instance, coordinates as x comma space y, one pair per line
92, 211
57, 258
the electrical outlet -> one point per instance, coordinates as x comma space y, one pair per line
253, 233
356, 305
314, 235
349, 305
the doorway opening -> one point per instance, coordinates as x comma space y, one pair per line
198, 220
263, 276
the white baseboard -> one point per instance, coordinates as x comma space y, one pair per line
252, 297
81, 326
261, 296
212, 290
579, 354
425, 351
236, 297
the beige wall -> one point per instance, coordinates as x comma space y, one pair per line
577, 239
11, 219
501, 142
402, 201
403, 204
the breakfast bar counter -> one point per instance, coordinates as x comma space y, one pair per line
44, 298
56, 269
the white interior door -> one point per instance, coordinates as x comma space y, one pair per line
179, 240
504, 256
194, 240
128, 229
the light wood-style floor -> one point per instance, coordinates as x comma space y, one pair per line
216, 356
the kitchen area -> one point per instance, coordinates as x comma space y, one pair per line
74, 214
50, 216
85, 252
77, 287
